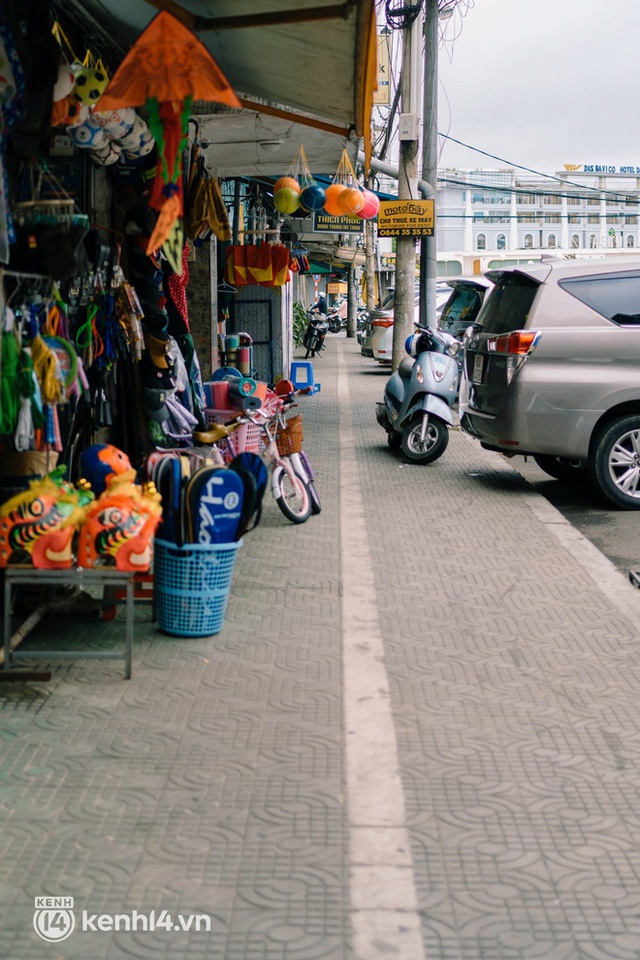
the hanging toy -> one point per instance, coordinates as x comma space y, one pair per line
298, 187
165, 70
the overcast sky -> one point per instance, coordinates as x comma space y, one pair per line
541, 83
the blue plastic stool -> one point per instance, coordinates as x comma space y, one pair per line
302, 376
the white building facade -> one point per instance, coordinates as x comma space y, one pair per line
507, 216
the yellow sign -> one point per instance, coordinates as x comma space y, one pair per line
336, 287
406, 218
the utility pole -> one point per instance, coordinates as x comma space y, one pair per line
428, 246
407, 186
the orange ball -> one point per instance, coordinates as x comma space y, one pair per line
351, 201
331, 202
286, 183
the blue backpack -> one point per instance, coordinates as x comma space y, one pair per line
255, 474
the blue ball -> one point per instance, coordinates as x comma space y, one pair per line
312, 198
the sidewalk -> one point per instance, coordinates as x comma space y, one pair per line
415, 736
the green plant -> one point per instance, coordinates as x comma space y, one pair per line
299, 322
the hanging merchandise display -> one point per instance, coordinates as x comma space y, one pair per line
298, 188
165, 70
346, 197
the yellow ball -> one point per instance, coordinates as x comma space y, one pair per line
286, 200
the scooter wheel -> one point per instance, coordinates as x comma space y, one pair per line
434, 444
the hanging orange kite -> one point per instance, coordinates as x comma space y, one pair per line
165, 70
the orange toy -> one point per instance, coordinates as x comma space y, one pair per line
120, 525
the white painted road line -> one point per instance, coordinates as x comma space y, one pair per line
383, 902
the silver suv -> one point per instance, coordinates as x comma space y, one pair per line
552, 369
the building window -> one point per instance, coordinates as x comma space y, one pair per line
593, 219
573, 218
593, 201
574, 201
552, 200
631, 220
552, 218
501, 242
551, 240
527, 198
575, 241
528, 240
481, 242
630, 241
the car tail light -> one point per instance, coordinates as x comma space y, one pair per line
516, 347
382, 323
519, 343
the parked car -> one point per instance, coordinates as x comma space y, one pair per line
377, 336
552, 370
466, 296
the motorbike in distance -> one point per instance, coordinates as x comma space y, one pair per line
315, 333
418, 399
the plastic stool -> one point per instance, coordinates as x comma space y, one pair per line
302, 376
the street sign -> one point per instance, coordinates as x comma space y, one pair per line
326, 224
406, 218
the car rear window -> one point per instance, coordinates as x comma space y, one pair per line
508, 306
463, 304
615, 297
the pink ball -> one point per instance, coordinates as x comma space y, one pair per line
371, 206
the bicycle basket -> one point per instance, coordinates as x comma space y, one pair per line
289, 439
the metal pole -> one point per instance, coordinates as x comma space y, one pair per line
428, 246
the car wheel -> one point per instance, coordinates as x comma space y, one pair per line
614, 463
433, 445
562, 468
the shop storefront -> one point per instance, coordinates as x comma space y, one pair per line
140, 250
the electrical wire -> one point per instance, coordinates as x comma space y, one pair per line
401, 16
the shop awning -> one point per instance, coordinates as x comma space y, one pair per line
307, 63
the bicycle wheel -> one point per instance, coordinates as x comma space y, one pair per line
293, 496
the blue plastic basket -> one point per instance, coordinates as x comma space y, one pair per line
192, 585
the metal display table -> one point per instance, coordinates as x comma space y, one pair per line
74, 576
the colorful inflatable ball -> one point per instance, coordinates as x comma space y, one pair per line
351, 201
332, 196
312, 198
286, 200
371, 206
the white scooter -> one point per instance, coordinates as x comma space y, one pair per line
417, 408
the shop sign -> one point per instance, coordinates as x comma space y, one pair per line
381, 95
336, 287
326, 224
406, 218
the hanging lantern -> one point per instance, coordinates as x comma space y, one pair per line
371, 206
332, 194
287, 200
